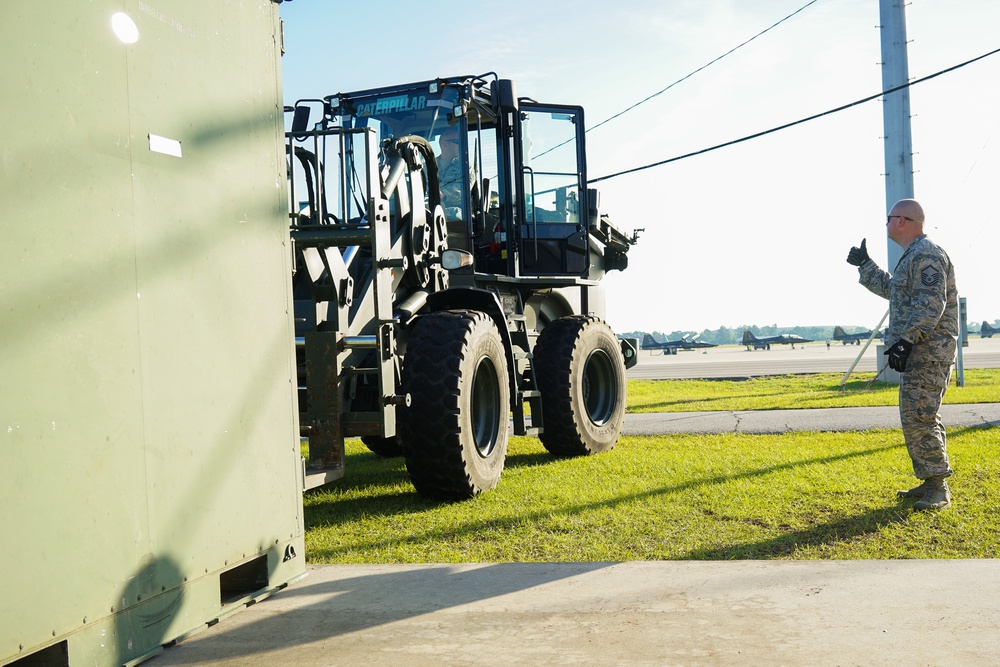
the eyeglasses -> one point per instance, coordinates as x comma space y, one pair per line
889, 218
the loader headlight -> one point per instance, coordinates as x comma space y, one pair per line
455, 259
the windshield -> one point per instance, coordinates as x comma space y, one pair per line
398, 114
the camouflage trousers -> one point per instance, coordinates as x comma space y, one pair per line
921, 390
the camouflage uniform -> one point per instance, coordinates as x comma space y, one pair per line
450, 180
923, 301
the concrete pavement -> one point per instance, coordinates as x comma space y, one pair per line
921, 612
637, 613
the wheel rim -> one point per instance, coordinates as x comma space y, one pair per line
485, 407
600, 395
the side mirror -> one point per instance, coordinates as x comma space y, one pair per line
505, 95
300, 121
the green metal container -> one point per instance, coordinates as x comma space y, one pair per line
150, 475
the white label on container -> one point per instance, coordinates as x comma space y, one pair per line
163, 145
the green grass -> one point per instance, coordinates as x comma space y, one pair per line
821, 390
705, 497
718, 497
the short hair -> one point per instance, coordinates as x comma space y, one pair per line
913, 209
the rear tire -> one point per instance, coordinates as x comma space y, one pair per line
581, 375
455, 431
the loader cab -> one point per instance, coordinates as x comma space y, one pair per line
529, 159
512, 173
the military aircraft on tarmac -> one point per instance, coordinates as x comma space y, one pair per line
850, 339
986, 331
671, 346
765, 343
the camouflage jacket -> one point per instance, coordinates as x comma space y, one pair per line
923, 299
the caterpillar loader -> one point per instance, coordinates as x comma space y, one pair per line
447, 281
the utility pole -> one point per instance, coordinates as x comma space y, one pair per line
896, 126
895, 112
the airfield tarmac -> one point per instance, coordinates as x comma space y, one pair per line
734, 361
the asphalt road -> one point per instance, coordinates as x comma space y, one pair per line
760, 422
737, 362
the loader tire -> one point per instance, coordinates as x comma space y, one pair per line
581, 376
456, 428
387, 448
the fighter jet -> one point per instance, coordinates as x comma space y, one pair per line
765, 343
986, 331
671, 346
850, 339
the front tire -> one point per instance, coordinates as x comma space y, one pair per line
455, 431
581, 375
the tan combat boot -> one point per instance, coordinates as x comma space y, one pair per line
916, 492
937, 497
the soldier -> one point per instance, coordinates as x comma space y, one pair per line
923, 328
450, 175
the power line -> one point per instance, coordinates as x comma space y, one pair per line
705, 66
988, 219
797, 122
682, 79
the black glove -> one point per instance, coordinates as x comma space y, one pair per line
898, 353
858, 256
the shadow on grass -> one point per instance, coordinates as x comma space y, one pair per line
531, 460
707, 401
862, 387
977, 428
827, 398
338, 511
832, 532
379, 479
812, 392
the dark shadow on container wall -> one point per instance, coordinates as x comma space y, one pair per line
146, 609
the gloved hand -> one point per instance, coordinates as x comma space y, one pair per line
858, 256
898, 353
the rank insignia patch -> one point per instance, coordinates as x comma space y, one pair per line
930, 276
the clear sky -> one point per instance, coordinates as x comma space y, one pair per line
752, 234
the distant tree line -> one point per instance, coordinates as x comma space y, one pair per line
733, 335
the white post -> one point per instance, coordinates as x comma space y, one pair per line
963, 339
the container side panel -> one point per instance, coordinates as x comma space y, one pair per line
211, 237
148, 433
72, 469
